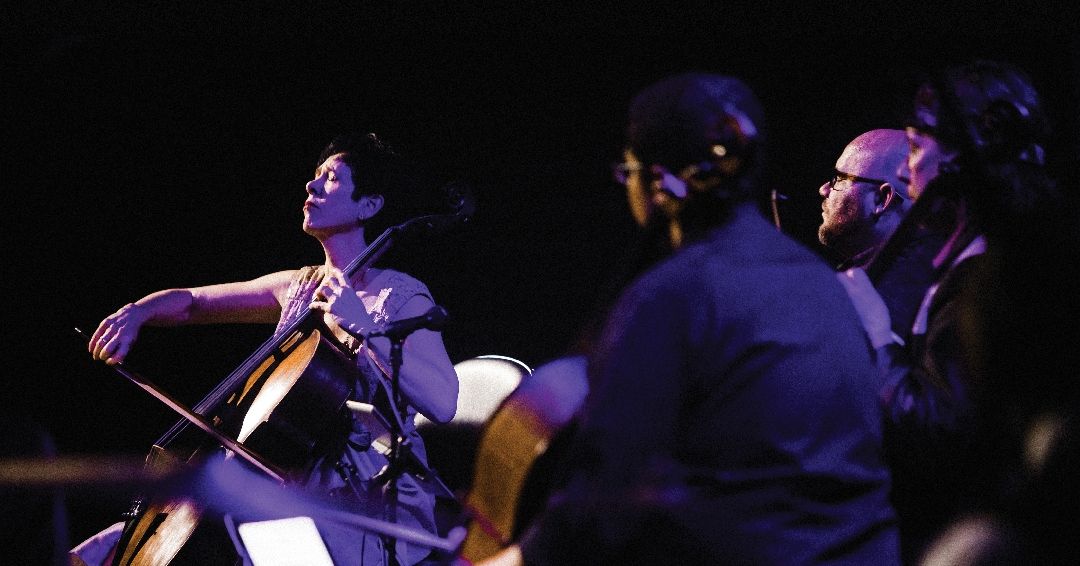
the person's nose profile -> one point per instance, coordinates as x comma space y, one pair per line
903, 172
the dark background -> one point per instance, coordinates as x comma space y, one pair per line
168, 145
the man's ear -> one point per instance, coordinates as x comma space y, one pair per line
883, 197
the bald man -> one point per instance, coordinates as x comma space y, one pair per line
864, 200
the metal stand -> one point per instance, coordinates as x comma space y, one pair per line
400, 458
389, 475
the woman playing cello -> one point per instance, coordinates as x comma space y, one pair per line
359, 188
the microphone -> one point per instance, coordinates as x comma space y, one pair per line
434, 319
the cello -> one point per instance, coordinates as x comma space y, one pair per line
307, 375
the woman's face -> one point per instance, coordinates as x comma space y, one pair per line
925, 157
329, 207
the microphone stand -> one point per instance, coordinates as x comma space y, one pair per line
397, 463
389, 475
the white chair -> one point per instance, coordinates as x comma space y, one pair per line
483, 383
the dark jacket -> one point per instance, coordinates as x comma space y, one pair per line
732, 419
931, 437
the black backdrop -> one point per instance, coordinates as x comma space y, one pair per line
167, 145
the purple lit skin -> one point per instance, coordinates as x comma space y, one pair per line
925, 156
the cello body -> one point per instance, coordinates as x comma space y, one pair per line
517, 447
304, 384
285, 400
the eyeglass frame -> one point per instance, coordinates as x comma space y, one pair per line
621, 171
839, 175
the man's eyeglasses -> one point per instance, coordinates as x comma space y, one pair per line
841, 176
622, 171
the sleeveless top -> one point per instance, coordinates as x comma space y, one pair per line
383, 296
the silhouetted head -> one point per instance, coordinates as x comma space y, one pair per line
693, 146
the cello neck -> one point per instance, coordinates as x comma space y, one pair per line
932, 209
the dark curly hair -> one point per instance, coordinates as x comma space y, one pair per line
379, 170
990, 114
986, 107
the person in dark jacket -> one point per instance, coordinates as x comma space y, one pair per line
731, 415
976, 169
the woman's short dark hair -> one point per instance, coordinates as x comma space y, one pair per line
379, 170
